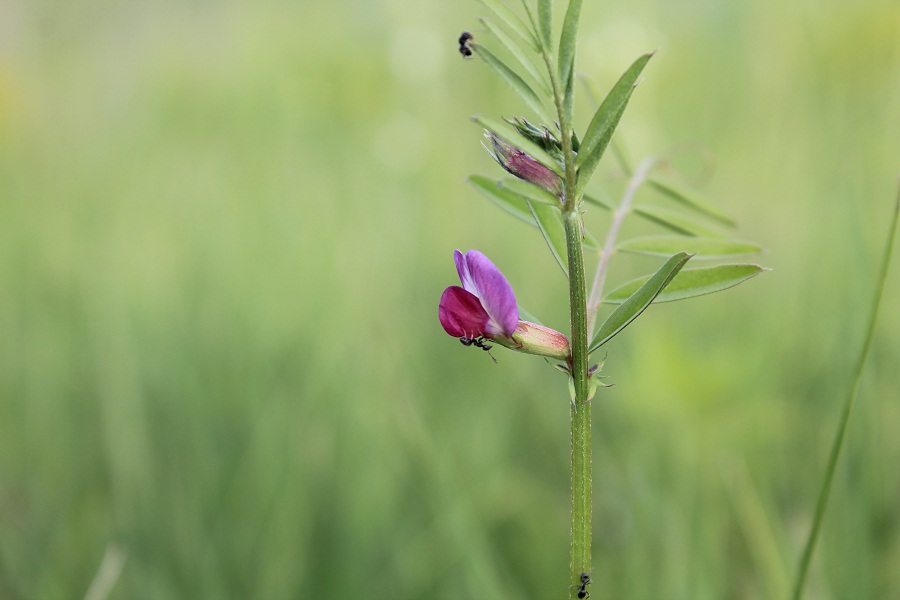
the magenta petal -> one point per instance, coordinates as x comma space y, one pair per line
461, 313
494, 291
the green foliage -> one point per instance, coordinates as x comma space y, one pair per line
529, 191
514, 197
637, 302
690, 198
515, 80
701, 248
506, 199
689, 283
551, 226
567, 43
603, 124
545, 21
677, 221
524, 56
512, 22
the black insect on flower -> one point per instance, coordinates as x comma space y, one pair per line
464, 48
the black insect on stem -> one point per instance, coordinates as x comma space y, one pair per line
582, 589
464, 48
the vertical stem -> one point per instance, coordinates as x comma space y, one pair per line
581, 410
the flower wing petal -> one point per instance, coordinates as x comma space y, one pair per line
494, 291
461, 314
462, 268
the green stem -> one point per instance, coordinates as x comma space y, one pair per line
838, 443
581, 408
580, 550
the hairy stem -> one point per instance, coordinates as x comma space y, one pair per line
609, 247
581, 408
841, 433
580, 550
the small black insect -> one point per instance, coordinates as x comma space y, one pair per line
478, 342
582, 589
464, 48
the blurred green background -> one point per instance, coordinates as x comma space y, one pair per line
224, 230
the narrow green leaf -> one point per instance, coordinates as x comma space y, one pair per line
597, 202
676, 221
534, 27
509, 134
690, 198
512, 22
545, 19
549, 221
614, 100
515, 81
539, 195
702, 248
567, 40
639, 300
529, 191
569, 101
520, 53
517, 205
692, 282
604, 123
505, 199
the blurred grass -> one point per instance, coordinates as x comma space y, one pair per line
224, 229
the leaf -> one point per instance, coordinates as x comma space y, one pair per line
597, 202
512, 137
512, 22
520, 53
567, 40
703, 248
549, 221
676, 221
569, 100
529, 191
604, 123
515, 204
545, 19
505, 199
637, 302
692, 282
690, 198
515, 81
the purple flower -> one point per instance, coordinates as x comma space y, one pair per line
485, 308
485, 305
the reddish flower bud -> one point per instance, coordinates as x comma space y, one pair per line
522, 165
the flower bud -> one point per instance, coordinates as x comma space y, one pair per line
522, 165
532, 338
